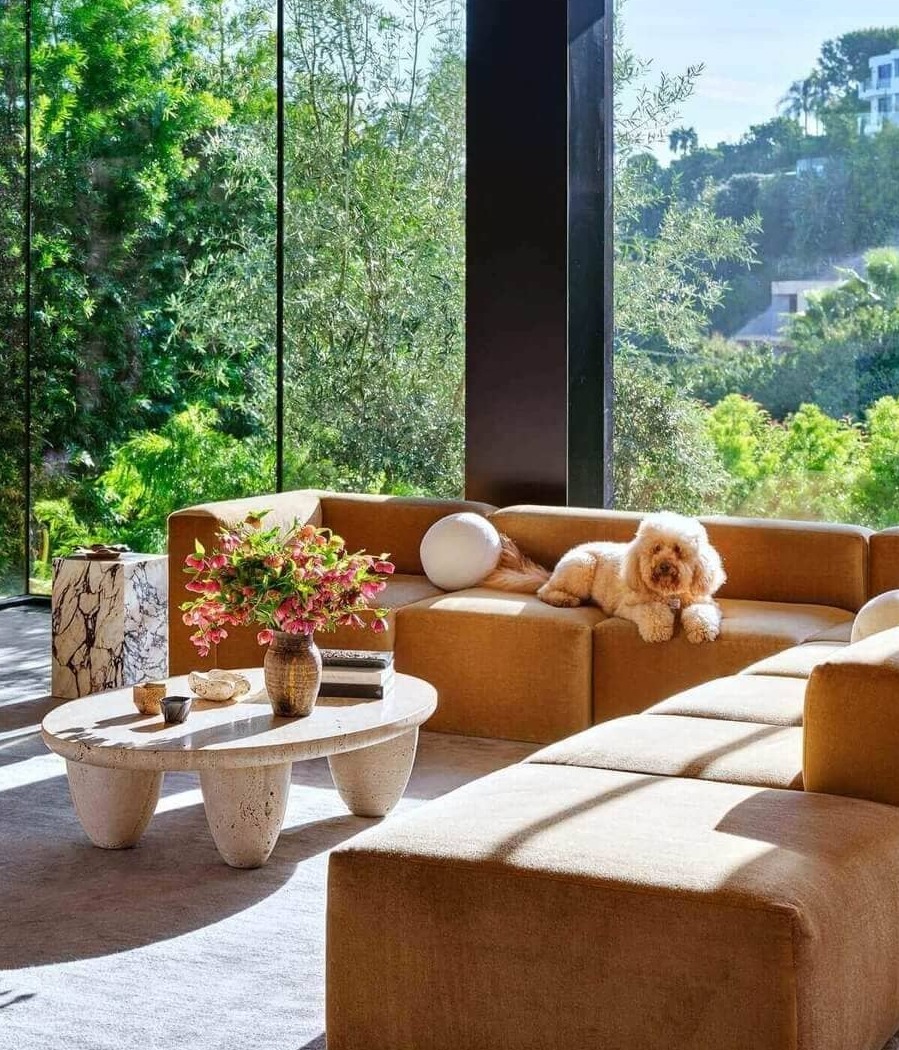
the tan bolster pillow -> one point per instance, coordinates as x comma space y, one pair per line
851, 742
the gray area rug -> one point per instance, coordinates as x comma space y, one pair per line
24, 652
164, 946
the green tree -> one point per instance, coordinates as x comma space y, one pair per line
877, 495
847, 342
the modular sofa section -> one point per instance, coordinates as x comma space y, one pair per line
629, 674
504, 665
570, 907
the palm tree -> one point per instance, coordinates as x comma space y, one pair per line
804, 98
683, 140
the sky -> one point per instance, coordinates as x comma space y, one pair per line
752, 51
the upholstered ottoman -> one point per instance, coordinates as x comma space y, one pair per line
568, 907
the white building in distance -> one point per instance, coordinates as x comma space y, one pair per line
881, 92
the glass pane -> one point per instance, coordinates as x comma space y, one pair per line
757, 269
153, 264
12, 304
374, 245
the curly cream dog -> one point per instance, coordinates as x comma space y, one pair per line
669, 564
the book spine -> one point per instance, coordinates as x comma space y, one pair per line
352, 676
360, 659
353, 692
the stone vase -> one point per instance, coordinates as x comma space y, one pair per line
293, 674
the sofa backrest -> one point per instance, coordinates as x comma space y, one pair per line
777, 561
884, 568
389, 524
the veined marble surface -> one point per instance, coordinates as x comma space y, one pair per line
110, 623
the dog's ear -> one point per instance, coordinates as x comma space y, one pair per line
630, 565
709, 574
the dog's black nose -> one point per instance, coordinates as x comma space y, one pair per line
665, 568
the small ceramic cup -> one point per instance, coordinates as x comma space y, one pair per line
147, 696
175, 709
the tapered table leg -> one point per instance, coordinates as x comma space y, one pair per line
114, 805
245, 809
371, 780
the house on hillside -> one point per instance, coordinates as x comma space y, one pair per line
788, 298
881, 92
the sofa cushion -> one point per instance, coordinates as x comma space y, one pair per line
682, 746
504, 665
796, 662
774, 701
630, 674
391, 524
552, 906
838, 632
771, 561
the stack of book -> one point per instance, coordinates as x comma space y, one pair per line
356, 673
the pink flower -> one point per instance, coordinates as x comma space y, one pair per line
274, 561
218, 561
217, 634
386, 568
195, 561
265, 637
371, 588
379, 626
351, 620
198, 586
230, 542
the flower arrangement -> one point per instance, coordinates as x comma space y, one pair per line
300, 581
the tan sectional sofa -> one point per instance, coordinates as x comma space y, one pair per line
506, 665
714, 865
718, 873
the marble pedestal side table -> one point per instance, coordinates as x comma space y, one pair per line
109, 623
116, 759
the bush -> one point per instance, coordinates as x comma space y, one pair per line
188, 461
664, 456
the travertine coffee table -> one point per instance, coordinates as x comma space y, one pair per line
116, 759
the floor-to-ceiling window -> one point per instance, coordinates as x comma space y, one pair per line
757, 267
244, 274
12, 299
152, 161
374, 245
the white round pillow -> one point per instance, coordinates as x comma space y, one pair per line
879, 614
459, 551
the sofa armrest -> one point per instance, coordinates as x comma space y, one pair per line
201, 523
851, 742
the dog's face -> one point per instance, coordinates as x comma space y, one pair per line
671, 556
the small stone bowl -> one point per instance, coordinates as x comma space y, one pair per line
175, 709
147, 696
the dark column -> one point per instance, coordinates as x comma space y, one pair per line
590, 257
537, 145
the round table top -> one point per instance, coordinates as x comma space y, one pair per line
106, 729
